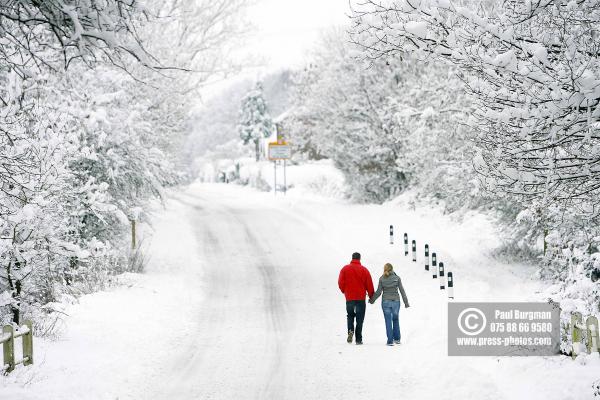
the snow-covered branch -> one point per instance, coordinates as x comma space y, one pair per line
532, 69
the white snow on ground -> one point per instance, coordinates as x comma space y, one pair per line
119, 342
312, 179
240, 301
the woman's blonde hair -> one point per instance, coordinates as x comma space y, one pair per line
387, 269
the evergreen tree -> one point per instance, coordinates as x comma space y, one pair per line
255, 122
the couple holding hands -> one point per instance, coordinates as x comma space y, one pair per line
355, 281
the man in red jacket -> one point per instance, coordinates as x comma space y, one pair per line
354, 281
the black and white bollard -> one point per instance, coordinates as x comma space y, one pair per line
391, 234
406, 244
442, 277
426, 257
414, 250
434, 265
450, 286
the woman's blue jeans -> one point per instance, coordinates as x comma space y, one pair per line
391, 309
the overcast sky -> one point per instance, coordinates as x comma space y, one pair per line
283, 32
285, 29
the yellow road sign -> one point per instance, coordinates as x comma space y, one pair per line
279, 151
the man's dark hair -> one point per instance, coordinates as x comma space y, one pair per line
356, 256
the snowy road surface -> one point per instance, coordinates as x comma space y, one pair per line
240, 301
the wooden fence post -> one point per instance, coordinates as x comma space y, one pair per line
28, 345
576, 320
592, 334
133, 244
9, 348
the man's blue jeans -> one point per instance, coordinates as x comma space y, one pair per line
391, 309
356, 310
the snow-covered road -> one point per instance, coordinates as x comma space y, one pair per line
241, 347
273, 321
240, 301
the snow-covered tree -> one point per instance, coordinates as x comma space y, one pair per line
255, 123
90, 123
55, 33
532, 69
35, 184
214, 121
388, 126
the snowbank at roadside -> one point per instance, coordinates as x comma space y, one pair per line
310, 178
119, 343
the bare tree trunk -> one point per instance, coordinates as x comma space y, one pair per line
15, 288
16, 308
257, 149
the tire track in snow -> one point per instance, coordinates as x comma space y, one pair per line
200, 352
238, 270
274, 308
